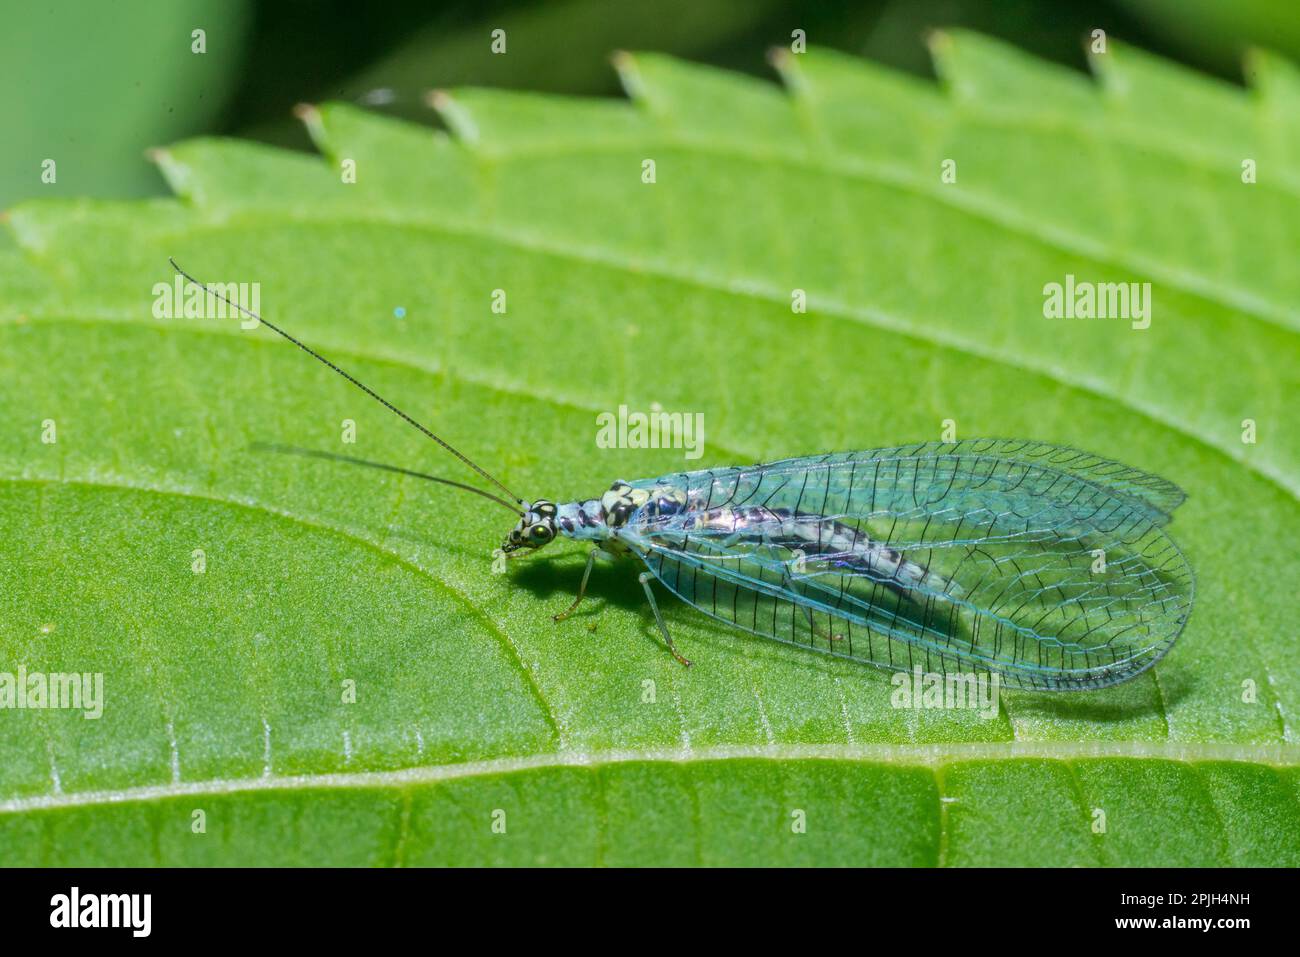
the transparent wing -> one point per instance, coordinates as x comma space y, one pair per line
1044, 564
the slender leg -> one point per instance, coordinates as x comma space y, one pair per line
812, 623
644, 578
582, 588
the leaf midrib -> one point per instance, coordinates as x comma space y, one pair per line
901, 755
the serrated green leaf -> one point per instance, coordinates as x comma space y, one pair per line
225, 690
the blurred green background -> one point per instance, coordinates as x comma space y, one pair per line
94, 83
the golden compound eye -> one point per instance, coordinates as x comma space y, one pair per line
541, 532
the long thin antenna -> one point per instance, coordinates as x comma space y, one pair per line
356, 382
336, 457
